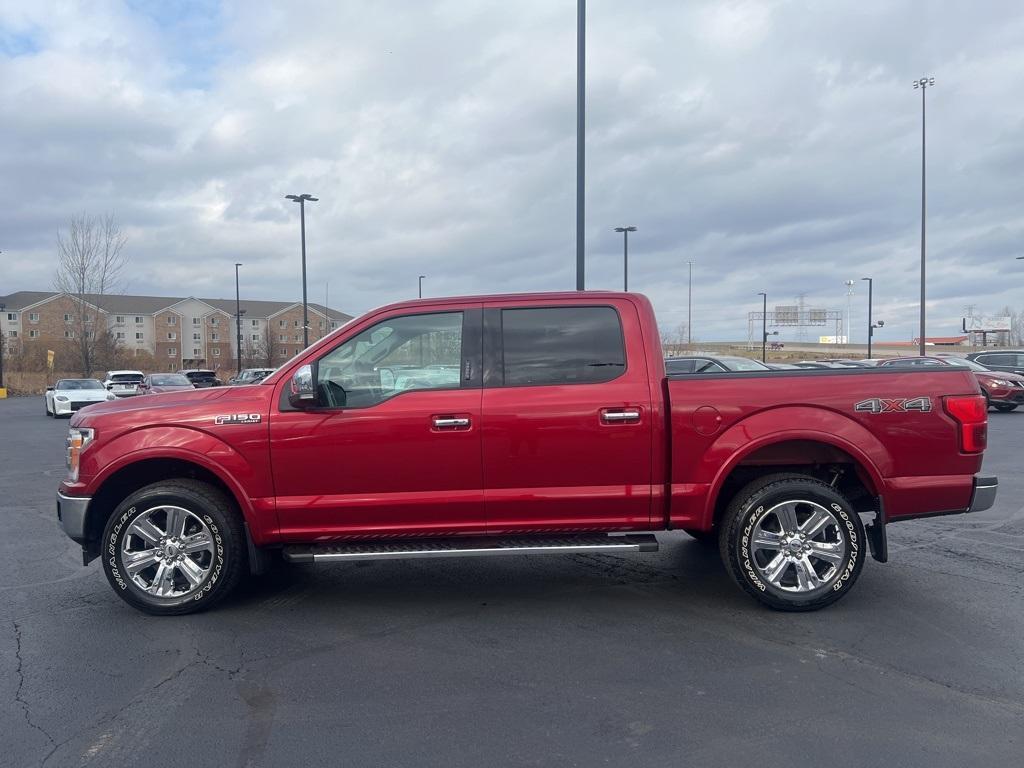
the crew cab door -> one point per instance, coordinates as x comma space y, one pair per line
392, 443
567, 438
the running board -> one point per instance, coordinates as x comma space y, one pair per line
468, 547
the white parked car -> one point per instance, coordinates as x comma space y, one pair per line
69, 395
124, 383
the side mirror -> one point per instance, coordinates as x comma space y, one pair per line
49, 389
302, 388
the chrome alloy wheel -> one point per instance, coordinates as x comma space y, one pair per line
798, 546
168, 551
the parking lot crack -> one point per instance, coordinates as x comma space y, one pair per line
19, 692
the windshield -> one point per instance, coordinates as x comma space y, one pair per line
742, 364
129, 377
79, 384
170, 380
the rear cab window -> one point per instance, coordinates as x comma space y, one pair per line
558, 346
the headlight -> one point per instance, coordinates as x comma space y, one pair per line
78, 440
60, 399
997, 382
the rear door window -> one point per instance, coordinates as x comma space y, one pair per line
679, 366
561, 345
998, 359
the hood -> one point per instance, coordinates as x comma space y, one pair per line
166, 400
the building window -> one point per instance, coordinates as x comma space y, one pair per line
33, 334
333, 325
196, 337
296, 323
282, 337
255, 337
33, 317
172, 320
321, 325
88, 318
172, 351
12, 316
120, 335
197, 353
282, 352
67, 318
195, 321
214, 321
138, 337
171, 335
69, 334
216, 351
298, 337
254, 323
90, 334
138, 319
12, 334
282, 323
214, 337
119, 319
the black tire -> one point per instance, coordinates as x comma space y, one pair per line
756, 504
225, 562
707, 538
47, 407
1006, 408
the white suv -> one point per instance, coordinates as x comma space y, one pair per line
123, 383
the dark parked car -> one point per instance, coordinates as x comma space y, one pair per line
1003, 391
201, 378
712, 364
1008, 360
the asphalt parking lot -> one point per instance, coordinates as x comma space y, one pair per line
652, 660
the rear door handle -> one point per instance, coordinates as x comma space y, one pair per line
453, 422
620, 415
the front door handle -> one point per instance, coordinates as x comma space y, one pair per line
620, 415
453, 422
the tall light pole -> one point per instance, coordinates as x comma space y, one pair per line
689, 307
421, 285
871, 327
581, 78
849, 312
238, 319
764, 326
302, 200
922, 84
625, 254
3, 341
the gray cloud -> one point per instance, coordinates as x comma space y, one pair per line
774, 144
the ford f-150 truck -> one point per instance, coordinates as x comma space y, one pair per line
518, 424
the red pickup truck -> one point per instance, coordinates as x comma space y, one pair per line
519, 424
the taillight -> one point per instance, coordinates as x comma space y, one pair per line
971, 413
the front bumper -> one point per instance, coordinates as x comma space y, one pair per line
71, 512
984, 494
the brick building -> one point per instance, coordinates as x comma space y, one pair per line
177, 332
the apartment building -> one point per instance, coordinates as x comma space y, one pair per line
178, 332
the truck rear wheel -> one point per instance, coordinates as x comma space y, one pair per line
174, 547
793, 542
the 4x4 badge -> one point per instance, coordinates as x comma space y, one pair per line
238, 418
894, 405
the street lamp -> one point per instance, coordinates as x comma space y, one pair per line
849, 311
625, 254
581, 72
764, 326
421, 285
3, 341
302, 200
923, 84
238, 319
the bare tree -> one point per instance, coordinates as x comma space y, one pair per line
90, 260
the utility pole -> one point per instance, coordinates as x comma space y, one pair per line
581, 108
689, 307
302, 200
625, 254
238, 320
923, 84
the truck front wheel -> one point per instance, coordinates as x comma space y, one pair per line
792, 542
174, 547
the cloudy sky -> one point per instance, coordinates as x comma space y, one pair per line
774, 144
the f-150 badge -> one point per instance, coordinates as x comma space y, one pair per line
894, 405
238, 418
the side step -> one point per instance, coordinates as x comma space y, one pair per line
469, 547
